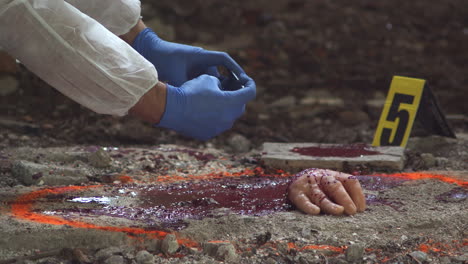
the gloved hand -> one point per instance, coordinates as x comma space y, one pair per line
200, 109
178, 63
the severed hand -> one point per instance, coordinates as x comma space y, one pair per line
331, 192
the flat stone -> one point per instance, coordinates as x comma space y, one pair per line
30, 173
281, 156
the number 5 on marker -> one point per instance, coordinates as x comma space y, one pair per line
399, 112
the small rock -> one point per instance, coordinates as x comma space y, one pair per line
354, 253
419, 256
169, 244
428, 159
239, 143
8, 85
24, 138
441, 162
288, 101
226, 253
271, 261
144, 257
115, 260
211, 248
100, 159
106, 253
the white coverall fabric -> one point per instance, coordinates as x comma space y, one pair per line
76, 54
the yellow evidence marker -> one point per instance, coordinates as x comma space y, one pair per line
399, 112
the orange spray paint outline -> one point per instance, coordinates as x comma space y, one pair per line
22, 207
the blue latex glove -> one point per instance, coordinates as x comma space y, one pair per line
200, 109
178, 63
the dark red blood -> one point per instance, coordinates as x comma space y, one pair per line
171, 204
354, 150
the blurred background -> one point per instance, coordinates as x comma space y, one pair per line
322, 70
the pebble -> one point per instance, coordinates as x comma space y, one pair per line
115, 260
239, 143
100, 159
211, 248
441, 162
288, 101
226, 253
144, 257
428, 159
419, 256
354, 252
106, 253
169, 244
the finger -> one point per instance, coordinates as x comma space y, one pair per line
242, 96
213, 71
216, 58
354, 189
335, 190
318, 197
303, 203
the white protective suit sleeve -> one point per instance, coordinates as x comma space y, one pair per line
118, 16
75, 54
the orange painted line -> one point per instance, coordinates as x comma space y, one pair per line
338, 250
421, 176
22, 209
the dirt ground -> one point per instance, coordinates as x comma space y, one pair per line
320, 68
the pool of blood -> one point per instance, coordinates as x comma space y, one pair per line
353, 150
167, 206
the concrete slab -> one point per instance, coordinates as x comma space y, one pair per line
286, 156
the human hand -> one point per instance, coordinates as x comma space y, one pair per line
178, 63
331, 192
200, 109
